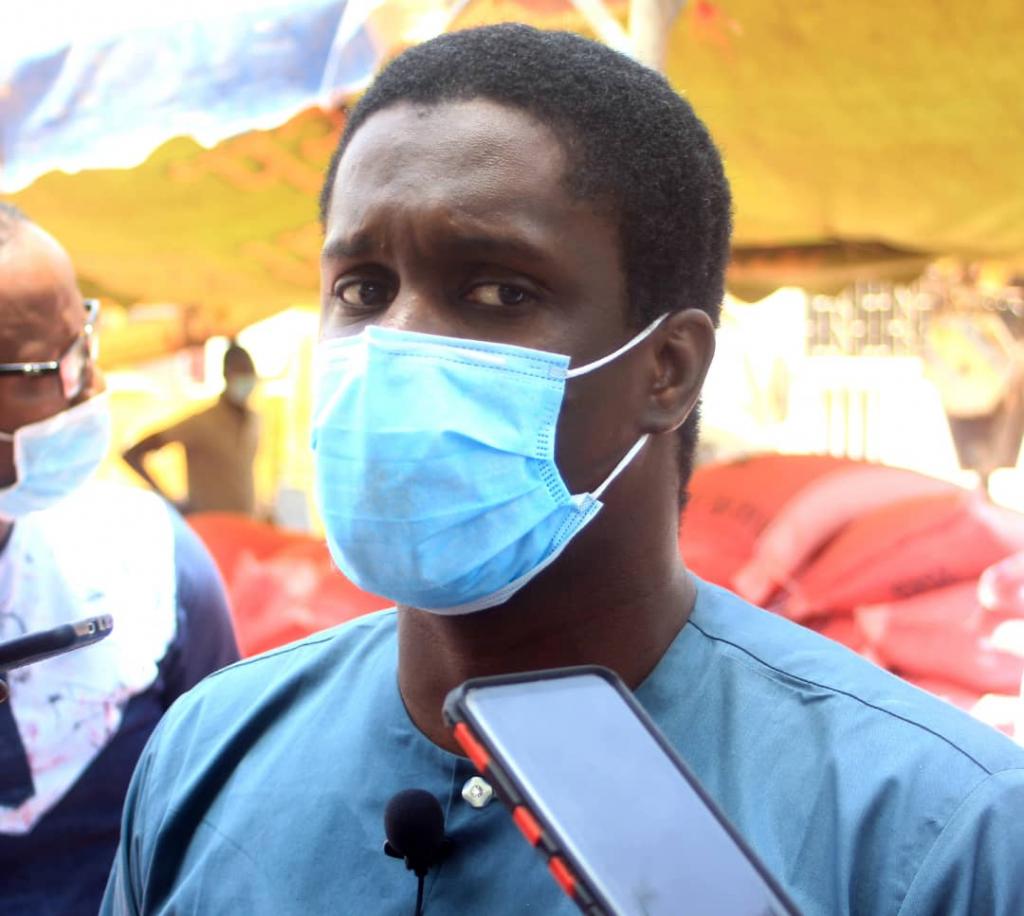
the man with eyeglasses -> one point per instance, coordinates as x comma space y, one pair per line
70, 548
75, 363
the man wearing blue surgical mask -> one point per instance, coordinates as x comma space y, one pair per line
71, 548
220, 444
524, 256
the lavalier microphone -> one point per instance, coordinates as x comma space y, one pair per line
414, 827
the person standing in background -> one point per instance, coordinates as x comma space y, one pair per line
220, 445
74, 726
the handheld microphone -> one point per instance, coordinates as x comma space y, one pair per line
414, 826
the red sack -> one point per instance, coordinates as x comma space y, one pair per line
282, 585
961, 657
942, 635
947, 608
961, 697
292, 594
731, 503
1001, 587
841, 628
230, 538
814, 515
906, 548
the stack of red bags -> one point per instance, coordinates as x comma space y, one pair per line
922, 577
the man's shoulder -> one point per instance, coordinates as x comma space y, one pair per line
200, 420
356, 649
786, 727
352, 639
808, 667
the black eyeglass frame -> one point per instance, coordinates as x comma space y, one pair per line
83, 346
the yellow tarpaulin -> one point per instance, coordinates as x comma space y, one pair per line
860, 139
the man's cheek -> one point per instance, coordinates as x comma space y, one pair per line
591, 435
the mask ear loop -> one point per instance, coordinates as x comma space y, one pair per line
628, 345
622, 465
596, 364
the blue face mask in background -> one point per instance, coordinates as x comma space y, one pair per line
435, 469
55, 456
239, 388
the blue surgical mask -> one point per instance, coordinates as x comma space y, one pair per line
55, 456
239, 388
435, 468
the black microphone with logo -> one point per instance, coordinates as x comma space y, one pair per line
414, 827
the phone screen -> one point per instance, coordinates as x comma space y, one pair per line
617, 802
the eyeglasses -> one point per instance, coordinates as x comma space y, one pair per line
73, 366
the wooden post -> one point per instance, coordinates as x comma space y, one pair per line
650, 22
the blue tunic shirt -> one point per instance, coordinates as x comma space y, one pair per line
263, 790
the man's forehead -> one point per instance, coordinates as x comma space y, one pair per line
38, 290
33, 265
460, 148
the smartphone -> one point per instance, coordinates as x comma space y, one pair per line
34, 647
597, 789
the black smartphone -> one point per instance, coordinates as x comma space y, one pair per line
34, 647
596, 788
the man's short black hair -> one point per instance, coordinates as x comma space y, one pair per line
635, 149
10, 218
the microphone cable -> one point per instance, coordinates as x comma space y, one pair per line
420, 881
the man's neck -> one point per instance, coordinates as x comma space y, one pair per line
622, 614
242, 410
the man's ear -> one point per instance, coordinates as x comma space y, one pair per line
683, 347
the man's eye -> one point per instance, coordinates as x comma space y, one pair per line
498, 294
363, 293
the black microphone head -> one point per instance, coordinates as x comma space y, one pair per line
414, 825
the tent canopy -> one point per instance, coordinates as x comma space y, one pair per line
860, 140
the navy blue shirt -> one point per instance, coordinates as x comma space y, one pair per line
263, 790
168, 603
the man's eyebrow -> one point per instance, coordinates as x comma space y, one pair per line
499, 244
361, 245
356, 246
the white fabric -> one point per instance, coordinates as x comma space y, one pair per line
104, 550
